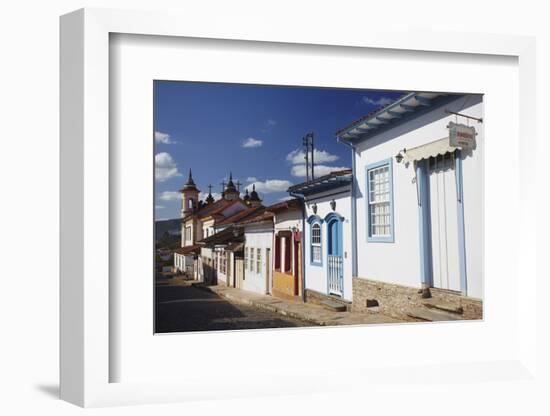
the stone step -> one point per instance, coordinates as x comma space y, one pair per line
433, 315
333, 306
444, 307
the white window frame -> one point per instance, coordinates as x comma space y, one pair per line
318, 245
380, 198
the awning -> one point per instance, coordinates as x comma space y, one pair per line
439, 147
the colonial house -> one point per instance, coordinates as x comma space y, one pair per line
287, 280
327, 237
258, 236
219, 249
227, 244
198, 221
416, 207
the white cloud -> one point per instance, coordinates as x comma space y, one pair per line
252, 142
159, 206
215, 195
270, 186
320, 170
285, 198
379, 102
296, 157
251, 179
170, 196
165, 167
271, 122
163, 138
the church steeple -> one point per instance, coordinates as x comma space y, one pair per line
230, 193
255, 200
246, 197
190, 184
209, 198
190, 196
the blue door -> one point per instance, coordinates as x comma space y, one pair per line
335, 261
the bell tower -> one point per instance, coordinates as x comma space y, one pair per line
230, 192
190, 196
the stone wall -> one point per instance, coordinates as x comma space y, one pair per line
316, 298
396, 300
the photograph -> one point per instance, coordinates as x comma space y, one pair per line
292, 206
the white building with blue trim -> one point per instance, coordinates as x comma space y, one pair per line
327, 237
416, 205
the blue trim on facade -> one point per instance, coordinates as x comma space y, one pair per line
332, 216
339, 220
461, 228
354, 260
391, 237
422, 182
315, 219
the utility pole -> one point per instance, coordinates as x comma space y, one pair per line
307, 141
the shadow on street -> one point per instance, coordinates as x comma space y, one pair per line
186, 308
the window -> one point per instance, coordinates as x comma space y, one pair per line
380, 211
251, 265
258, 260
316, 243
223, 262
187, 233
246, 258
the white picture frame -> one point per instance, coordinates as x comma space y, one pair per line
85, 211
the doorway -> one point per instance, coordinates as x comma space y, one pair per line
443, 222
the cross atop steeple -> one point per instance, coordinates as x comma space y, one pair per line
238, 186
209, 189
222, 183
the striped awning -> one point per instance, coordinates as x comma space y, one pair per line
439, 147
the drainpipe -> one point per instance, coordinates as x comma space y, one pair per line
353, 208
302, 248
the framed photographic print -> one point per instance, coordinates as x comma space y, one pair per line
269, 203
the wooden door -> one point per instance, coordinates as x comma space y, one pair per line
444, 223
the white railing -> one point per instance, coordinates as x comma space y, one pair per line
335, 275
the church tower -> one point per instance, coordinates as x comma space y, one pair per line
230, 193
190, 196
254, 200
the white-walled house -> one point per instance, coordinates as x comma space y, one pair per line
258, 237
327, 236
417, 204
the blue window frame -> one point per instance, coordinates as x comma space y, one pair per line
379, 201
315, 240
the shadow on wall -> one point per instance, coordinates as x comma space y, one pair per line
210, 275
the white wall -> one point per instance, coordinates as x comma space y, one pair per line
399, 262
316, 276
257, 236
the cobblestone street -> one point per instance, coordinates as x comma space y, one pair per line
182, 308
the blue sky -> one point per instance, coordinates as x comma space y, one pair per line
253, 131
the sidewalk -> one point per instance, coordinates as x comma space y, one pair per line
315, 314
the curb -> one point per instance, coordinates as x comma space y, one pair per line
264, 306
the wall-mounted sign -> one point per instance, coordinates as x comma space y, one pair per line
462, 136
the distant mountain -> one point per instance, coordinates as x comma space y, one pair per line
172, 227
